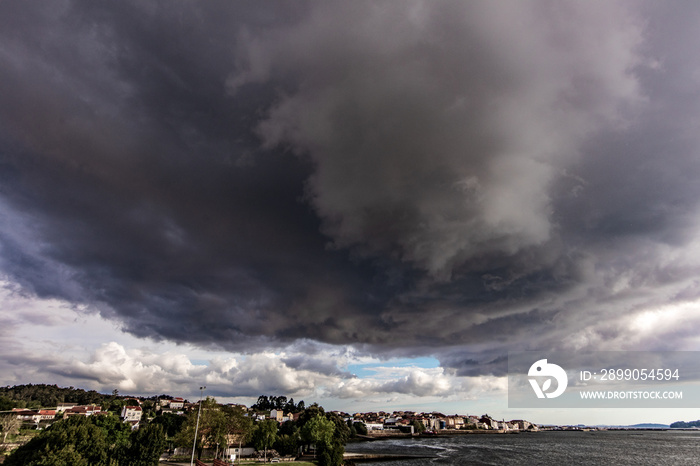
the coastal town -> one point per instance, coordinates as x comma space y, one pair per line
377, 423
22, 422
45, 424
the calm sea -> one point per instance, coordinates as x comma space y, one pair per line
545, 448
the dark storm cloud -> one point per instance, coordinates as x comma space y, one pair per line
409, 179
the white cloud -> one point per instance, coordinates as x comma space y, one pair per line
48, 341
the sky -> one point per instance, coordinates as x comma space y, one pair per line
364, 204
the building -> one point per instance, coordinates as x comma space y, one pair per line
65, 406
47, 414
27, 415
177, 403
374, 426
131, 413
277, 415
454, 422
88, 410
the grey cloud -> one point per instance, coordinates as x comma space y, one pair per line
429, 147
454, 179
319, 365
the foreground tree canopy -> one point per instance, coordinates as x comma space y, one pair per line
218, 427
91, 441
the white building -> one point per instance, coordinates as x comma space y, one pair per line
177, 403
374, 426
131, 413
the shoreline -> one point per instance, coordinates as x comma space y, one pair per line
445, 433
371, 457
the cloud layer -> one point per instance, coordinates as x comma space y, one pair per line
41, 345
450, 179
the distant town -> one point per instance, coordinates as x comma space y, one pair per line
134, 409
377, 423
273, 427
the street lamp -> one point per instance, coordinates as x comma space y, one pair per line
194, 444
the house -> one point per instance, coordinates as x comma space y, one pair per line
65, 406
87, 410
177, 403
131, 414
454, 422
277, 415
436, 423
521, 424
374, 426
47, 414
27, 415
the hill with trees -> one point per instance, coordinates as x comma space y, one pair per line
34, 396
685, 425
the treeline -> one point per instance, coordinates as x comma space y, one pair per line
685, 425
33, 396
280, 403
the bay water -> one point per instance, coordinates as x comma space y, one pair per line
612, 447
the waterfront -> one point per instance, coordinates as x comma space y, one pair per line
545, 448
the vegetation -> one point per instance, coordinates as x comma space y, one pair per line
327, 432
9, 425
685, 425
34, 396
219, 426
103, 440
172, 424
418, 427
95, 440
288, 439
280, 403
265, 435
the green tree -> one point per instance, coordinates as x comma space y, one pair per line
318, 431
239, 427
76, 437
329, 434
172, 423
264, 435
360, 427
342, 431
213, 428
117, 431
115, 406
288, 437
418, 427
66, 456
310, 413
147, 444
6, 403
